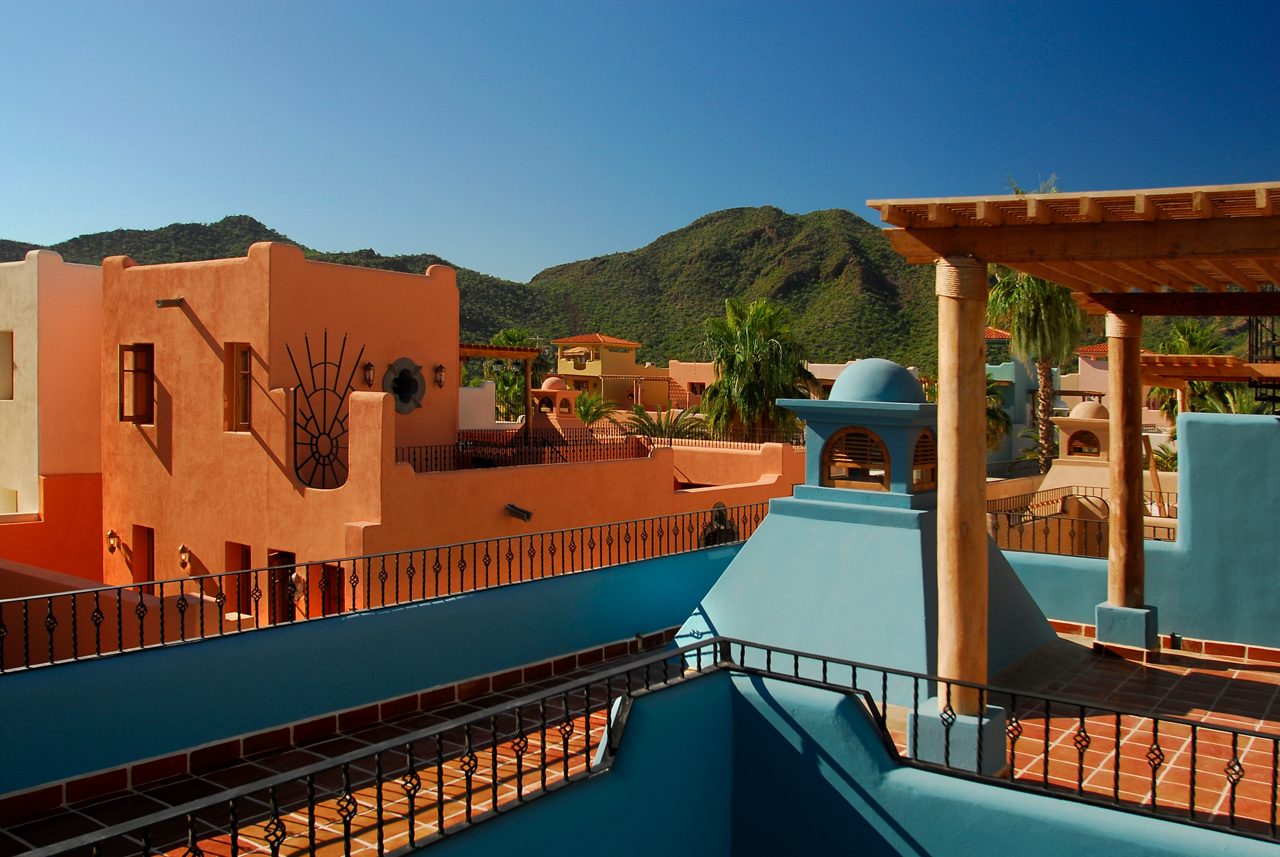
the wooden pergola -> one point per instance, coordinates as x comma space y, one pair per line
508, 352
1197, 251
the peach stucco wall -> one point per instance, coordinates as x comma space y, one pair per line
70, 389
443, 508
194, 483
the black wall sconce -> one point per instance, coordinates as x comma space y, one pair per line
516, 512
184, 556
113, 541
439, 370
368, 374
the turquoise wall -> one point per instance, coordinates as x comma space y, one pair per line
796, 770
668, 794
63, 721
1218, 580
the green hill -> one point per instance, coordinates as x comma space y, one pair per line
852, 296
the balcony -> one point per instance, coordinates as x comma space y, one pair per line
1072, 520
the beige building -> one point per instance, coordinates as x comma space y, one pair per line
50, 323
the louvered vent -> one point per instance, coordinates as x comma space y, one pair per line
924, 463
1084, 443
855, 458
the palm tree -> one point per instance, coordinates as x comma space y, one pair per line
664, 425
1188, 336
1234, 399
1044, 324
508, 375
998, 420
593, 407
757, 360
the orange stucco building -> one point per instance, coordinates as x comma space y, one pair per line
258, 411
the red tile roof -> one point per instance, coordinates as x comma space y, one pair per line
995, 334
1097, 350
595, 339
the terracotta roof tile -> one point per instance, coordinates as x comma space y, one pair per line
595, 339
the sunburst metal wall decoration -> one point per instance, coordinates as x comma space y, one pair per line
320, 414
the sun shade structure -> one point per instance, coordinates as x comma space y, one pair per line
525, 354
1197, 251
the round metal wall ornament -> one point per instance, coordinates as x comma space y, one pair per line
404, 381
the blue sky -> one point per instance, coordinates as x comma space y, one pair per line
511, 136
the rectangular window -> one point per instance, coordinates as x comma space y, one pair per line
238, 385
696, 388
6, 364
137, 384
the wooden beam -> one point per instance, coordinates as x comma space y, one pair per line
1236, 237
988, 213
1202, 204
1109, 274
1038, 211
1161, 276
1145, 207
895, 215
1263, 202
1194, 303
1062, 278
1235, 275
941, 216
1091, 209
1270, 268
1195, 275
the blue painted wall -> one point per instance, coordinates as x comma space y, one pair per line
747, 766
68, 720
1218, 581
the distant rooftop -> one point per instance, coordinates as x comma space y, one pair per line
595, 339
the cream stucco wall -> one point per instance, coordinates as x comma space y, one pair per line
477, 407
19, 422
50, 426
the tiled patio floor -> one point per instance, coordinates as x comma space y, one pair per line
545, 760
1146, 761
1109, 758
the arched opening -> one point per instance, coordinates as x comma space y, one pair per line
545, 405
855, 458
1084, 443
564, 407
924, 463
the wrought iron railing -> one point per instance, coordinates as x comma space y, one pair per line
1012, 469
1163, 504
1055, 534
476, 454
43, 630
415, 789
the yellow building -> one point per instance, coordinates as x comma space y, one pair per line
596, 363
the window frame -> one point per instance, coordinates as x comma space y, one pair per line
8, 369
237, 390
140, 382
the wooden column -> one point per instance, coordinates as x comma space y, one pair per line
1125, 571
1184, 398
961, 285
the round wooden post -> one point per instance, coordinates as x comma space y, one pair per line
1125, 570
961, 286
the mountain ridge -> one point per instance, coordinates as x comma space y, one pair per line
850, 294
